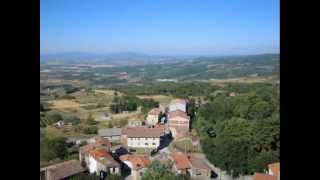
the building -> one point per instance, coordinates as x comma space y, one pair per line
192, 165
181, 165
199, 168
62, 170
273, 173
101, 160
178, 104
262, 176
59, 124
179, 123
153, 116
232, 94
274, 169
137, 164
96, 157
112, 134
142, 136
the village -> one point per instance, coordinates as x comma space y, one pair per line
130, 150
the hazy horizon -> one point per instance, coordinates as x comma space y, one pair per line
160, 27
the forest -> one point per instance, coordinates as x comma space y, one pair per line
241, 133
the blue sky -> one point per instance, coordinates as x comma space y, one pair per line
160, 26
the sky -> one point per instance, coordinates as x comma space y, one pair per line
215, 27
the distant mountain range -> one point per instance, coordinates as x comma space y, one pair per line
133, 58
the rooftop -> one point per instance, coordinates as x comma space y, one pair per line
109, 132
103, 157
178, 113
261, 176
143, 131
65, 169
99, 142
181, 161
198, 162
138, 161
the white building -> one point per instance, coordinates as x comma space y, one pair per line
178, 104
142, 137
96, 157
153, 116
101, 160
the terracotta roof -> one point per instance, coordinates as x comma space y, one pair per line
198, 163
138, 161
104, 157
180, 101
154, 111
64, 169
99, 153
178, 113
100, 141
144, 131
181, 161
261, 176
275, 168
87, 148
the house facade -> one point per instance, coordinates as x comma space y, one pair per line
142, 137
153, 116
96, 157
179, 123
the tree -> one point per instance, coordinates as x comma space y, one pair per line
114, 177
158, 171
90, 130
59, 147
90, 120
260, 110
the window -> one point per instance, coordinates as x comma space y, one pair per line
146, 138
153, 143
154, 138
146, 144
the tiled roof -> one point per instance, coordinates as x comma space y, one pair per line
109, 132
154, 111
138, 161
178, 113
87, 148
261, 176
99, 153
181, 161
64, 169
99, 141
198, 163
275, 168
144, 131
104, 157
